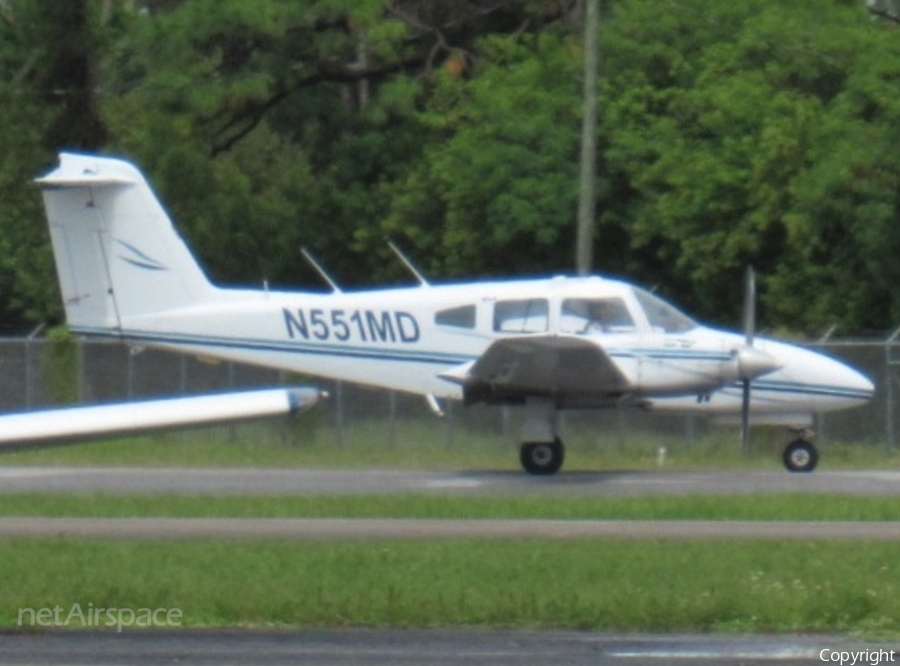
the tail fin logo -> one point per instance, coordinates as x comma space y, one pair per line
137, 258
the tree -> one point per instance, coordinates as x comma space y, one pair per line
26, 272
340, 86
498, 194
724, 123
730, 134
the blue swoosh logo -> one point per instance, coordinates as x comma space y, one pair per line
140, 259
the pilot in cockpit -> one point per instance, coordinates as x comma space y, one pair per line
599, 317
584, 316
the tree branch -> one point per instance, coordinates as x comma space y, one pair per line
242, 124
883, 14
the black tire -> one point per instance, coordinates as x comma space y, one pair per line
800, 456
542, 458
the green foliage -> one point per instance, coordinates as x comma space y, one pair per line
59, 367
737, 153
759, 133
505, 173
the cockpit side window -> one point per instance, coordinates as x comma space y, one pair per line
595, 315
521, 316
460, 317
662, 316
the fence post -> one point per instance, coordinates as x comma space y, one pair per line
448, 425
889, 364
29, 375
80, 368
392, 406
339, 411
130, 372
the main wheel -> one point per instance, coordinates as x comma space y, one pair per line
800, 456
542, 457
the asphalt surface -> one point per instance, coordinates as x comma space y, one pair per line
419, 647
264, 481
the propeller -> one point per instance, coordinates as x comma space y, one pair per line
751, 362
749, 333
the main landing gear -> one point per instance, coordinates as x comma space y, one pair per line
800, 456
542, 452
542, 458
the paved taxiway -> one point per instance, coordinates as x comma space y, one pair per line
305, 529
263, 481
399, 647
243, 481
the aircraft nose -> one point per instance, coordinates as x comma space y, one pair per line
862, 384
853, 384
823, 381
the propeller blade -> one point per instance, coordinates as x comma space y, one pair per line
745, 418
751, 365
750, 305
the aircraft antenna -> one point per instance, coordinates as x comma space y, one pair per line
320, 270
409, 264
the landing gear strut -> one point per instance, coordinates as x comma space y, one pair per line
800, 456
542, 451
542, 458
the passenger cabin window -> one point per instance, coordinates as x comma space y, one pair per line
595, 315
461, 317
662, 316
527, 316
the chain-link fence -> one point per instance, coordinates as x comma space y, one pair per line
38, 373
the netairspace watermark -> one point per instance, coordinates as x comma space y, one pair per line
857, 657
100, 617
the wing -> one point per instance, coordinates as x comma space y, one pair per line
573, 370
71, 424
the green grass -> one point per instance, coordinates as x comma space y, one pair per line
434, 444
746, 586
423, 505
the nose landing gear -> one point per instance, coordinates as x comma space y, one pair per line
800, 456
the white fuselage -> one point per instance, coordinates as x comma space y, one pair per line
407, 338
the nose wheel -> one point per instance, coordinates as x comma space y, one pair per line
542, 458
800, 456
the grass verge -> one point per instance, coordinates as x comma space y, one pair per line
588, 584
702, 507
435, 444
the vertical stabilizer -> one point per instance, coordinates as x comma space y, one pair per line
117, 253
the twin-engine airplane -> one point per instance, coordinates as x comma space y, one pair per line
549, 344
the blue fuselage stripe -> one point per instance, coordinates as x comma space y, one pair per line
433, 358
442, 359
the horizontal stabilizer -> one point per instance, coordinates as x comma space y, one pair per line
58, 426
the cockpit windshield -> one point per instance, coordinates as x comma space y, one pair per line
661, 315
